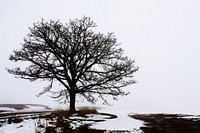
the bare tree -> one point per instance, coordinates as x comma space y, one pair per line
87, 64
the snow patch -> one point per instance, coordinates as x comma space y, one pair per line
27, 108
35, 108
7, 109
27, 126
122, 122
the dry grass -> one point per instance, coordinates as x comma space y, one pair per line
61, 110
61, 113
82, 111
87, 110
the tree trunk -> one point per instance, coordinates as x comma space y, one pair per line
72, 107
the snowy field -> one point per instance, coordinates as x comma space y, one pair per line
36, 118
122, 122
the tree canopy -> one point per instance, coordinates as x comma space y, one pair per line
85, 63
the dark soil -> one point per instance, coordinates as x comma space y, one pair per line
168, 123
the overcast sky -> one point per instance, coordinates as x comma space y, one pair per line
163, 36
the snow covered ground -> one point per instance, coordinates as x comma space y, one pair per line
97, 121
27, 126
23, 107
122, 122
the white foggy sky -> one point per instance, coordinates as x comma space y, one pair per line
163, 36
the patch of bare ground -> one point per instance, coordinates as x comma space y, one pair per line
169, 123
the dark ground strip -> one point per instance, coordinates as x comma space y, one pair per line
168, 123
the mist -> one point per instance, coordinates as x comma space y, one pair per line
162, 36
